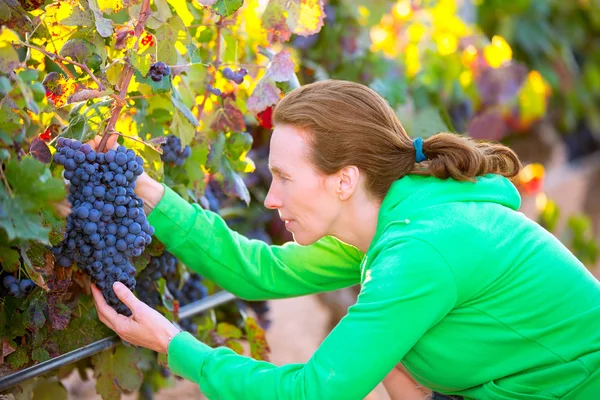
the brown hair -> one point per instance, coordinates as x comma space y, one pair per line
350, 124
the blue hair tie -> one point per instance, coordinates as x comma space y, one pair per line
420, 156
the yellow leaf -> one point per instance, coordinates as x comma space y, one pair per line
446, 43
533, 97
8, 37
413, 64
415, 32
305, 17
181, 9
110, 6
498, 52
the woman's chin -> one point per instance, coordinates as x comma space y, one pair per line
304, 240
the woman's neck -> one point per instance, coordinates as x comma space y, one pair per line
357, 222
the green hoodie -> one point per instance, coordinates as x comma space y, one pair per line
471, 296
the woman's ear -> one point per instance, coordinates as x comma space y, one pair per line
349, 178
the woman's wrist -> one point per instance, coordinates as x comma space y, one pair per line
150, 191
172, 331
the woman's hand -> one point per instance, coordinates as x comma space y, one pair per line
146, 327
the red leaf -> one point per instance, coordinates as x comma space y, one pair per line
265, 118
39, 149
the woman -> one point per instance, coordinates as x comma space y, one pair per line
457, 286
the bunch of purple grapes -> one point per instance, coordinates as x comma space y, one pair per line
17, 287
158, 71
107, 225
237, 77
173, 153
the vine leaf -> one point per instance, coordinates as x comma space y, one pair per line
33, 189
9, 59
304, 18
9, 258
228, 118
103, 25
116, 370
265, 94
281, 68
274, 22
50, 390
40, 151
259, 348
225, 8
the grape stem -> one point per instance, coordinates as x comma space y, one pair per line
5, 182
55, 57
125, 77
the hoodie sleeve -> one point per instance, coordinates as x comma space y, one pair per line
407, 290
251, 269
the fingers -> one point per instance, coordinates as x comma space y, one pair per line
127, 297
101, 306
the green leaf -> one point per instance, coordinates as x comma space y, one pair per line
19, 222
49, 390
238, 145
103, 25
193, 168
31, 178
193, 52
215, 154
227, 7
9, 258
141, 63
233, 184
78, 49
187, 113
40, 355
79, 16
19, 358
182, 128
116, 371
79, 127
166, 37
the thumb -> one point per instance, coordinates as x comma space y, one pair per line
126, 296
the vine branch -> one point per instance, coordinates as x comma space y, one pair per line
55, 57
125, 77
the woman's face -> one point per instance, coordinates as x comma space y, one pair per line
307, 200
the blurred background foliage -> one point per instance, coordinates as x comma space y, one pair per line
493, 70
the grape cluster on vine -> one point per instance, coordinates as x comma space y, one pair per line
193, 289
107, 225
237, 77
173, 153
158, 71
162, 266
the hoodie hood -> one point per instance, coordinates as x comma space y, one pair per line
414, 193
